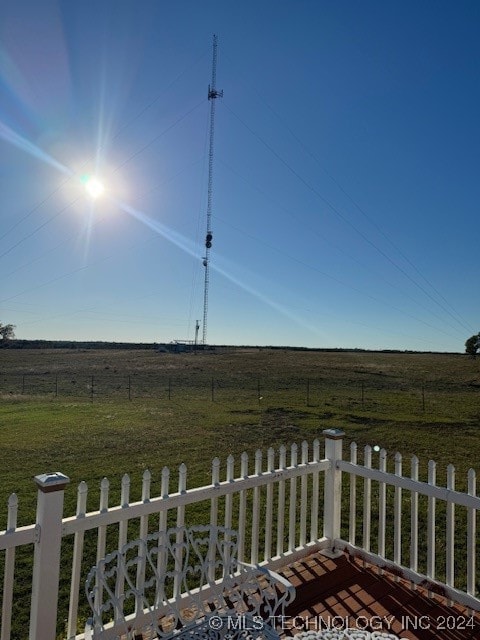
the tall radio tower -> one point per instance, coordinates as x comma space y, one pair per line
213, 94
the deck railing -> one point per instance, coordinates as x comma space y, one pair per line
431, 528
284, 505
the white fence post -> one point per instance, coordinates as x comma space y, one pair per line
46, 562
333, 489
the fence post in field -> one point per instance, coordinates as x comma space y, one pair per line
46, 560
333, 488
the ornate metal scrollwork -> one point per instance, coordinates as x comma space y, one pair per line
185, 582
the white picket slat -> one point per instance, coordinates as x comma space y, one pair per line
77, 563
471, 536
315, 493
229, 496
9, 570
140, 578
182, 487
242, 508
281, 503
397, 514
450, 534
382, 505
352, 522
162, 523
122, 537
292, 508
431, 537
303, 498
269, 507
102, 531
256, 511
414, 517
367, 499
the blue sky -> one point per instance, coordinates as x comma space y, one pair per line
346, 191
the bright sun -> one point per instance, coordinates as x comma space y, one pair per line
94, 187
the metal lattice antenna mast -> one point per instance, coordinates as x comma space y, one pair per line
212, 95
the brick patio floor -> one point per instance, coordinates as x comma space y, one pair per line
346, 593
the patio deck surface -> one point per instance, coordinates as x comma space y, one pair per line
341, 593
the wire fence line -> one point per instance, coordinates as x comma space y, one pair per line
310, 391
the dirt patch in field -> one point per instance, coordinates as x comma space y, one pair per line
366, 420
266, 435
283, 415
274, 425
274, 416
245, 411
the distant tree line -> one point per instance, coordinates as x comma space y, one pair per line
7, 335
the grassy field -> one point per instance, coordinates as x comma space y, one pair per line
150, 410
190, 408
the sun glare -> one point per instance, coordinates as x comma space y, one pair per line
93, 187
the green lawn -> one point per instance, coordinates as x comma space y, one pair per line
423, 404
190, 408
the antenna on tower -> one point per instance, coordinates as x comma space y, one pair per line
213, 94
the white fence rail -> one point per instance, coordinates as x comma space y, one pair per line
283, 505
429, 533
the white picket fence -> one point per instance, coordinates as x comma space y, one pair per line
285, 507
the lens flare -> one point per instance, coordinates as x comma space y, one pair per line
93, 186
8, 134
189, 247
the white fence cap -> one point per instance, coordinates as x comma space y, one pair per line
53, 481
334, 434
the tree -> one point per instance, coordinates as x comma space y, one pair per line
7, 331
472, 345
